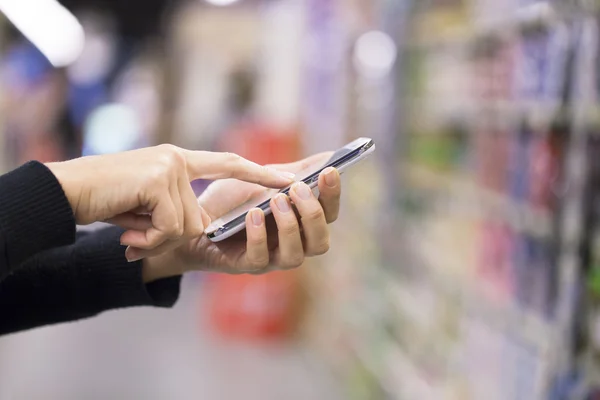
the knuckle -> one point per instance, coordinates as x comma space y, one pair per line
178, 160
164, 161
293, 261
321, 248
257, 241
264, 170
289, 228
157, 175
315, 215
258, 175
258, 263
232, 164
232, 159
175, 230
171, 158
166, 148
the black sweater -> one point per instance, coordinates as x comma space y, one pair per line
49, 273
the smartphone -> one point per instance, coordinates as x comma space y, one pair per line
235, 220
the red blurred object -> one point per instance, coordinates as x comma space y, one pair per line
254, 307
262, 143
247, 306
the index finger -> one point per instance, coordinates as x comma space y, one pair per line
297, 166
212, 166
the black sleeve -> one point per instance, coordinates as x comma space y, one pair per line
78, 281
35, 215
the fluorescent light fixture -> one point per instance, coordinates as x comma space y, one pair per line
49, 26
221, 2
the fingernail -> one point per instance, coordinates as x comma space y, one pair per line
330, 177
257, 217
282, 203
302, 190
133, 259
132, 255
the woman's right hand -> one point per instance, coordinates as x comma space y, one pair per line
148, 191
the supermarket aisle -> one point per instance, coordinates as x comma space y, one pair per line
153, 355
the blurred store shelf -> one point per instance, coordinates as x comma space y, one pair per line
507, 20
460, 196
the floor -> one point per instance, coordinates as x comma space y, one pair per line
154, 355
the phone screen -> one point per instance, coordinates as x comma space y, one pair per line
309, 175
262, 199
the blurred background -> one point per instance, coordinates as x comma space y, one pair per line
466, 262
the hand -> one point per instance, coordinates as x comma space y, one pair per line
282, 241
148, 191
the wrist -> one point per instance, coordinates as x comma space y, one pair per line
161, 267
67, 181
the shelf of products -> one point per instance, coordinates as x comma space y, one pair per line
495, 144
484, 283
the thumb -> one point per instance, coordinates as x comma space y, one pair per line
212, 166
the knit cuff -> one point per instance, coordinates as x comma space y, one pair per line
109, 281
35, 214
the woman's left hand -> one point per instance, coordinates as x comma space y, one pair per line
279, 242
